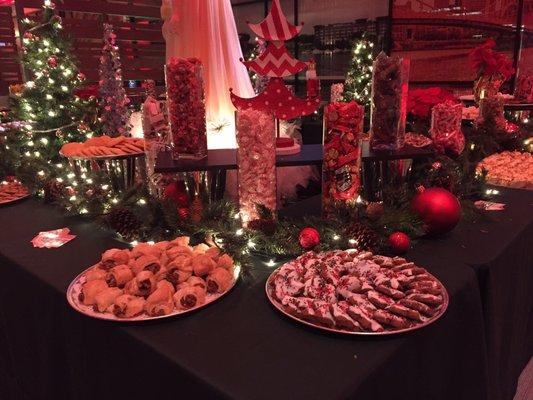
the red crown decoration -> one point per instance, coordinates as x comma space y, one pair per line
276, 62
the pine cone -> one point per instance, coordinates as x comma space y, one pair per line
53, 191
374, 211
267, 226
124, 222
365, 238
197, 209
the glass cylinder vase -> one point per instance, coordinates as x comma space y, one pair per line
390, 87
491, 113
487, 86
343, 128
256, 158
186, 108
446, 132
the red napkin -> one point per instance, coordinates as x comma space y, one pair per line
52, 239
489, 205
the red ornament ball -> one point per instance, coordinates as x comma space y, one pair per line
52, 62
309, 238
438, 209
399, 243
176, 192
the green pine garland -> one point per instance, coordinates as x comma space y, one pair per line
32, 155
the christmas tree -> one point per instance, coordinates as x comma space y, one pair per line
276, 63
114, 102
50, 112
358, 82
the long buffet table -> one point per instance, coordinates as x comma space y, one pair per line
241, 348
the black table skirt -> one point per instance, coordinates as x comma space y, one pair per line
498, 248
238, 347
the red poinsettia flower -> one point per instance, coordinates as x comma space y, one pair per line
87, 92
485, 61
421, 101
504, 66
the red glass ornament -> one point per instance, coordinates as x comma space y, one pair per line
309, 238
438, 208
436, 165
52, 62
399, 243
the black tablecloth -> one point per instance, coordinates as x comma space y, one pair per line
499, 249
239, 347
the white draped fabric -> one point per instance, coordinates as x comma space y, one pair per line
206, 29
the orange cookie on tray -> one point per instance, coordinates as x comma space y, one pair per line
86, 151
97, 141
129, 148
100, 150
71, 149
116, 151
116, 141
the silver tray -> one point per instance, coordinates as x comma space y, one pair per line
6, 202
75, 287
279, 307
107, 157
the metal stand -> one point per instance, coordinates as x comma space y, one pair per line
387, 169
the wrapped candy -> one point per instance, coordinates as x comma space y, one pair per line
491, 112
186, 108
446, 127
256, 157
390, 87
337, 91
343, 126
524, 88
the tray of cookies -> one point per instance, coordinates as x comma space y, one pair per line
153, 281
104, 147
357, 293
417, 140
512, 169
11, 192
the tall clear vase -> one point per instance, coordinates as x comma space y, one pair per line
256, 159
390, 87
341, 169
186, 108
